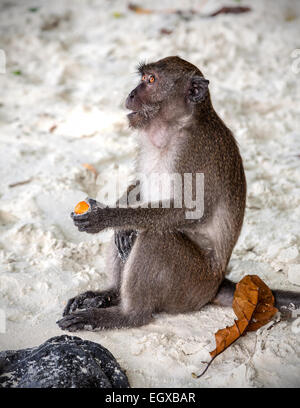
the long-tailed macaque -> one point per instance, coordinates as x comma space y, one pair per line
161, 260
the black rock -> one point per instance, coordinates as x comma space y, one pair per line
61, 362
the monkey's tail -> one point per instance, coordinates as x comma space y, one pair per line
284, 300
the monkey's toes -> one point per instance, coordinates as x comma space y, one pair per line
75, 321
77, 302
96, 302
86, 300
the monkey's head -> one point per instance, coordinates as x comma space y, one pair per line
169, 89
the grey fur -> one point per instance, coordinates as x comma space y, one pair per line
173, 264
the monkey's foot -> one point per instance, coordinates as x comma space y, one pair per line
88, 300
124, 241
102, 319
80, 320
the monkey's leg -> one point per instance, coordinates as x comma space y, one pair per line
166, 274
107, 298
132, 311
188, 276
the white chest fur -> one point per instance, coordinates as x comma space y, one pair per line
155, 172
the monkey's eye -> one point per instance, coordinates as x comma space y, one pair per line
151, 79
144, 77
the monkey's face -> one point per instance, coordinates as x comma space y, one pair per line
144, 101
168, 90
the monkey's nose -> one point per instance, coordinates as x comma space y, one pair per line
130, 99
132, 94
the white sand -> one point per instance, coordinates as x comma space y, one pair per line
75, 76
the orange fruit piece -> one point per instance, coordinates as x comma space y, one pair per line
81, 207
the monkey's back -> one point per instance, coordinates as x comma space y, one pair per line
213, 151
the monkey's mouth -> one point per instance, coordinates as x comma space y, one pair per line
132, 114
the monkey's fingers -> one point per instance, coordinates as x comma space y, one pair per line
67, 309
96, 302
80, 217
76, 321
92, 203
90, 230
82, 225
78, 302
71, 323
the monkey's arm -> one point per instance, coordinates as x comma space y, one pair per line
99, 217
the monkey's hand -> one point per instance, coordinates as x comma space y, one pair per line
93, 220
124, 241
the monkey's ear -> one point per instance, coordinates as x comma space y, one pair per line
198, 89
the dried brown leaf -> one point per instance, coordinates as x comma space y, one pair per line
166, 31
139, 10
20, 183
231, 10
253, 304
265, 308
